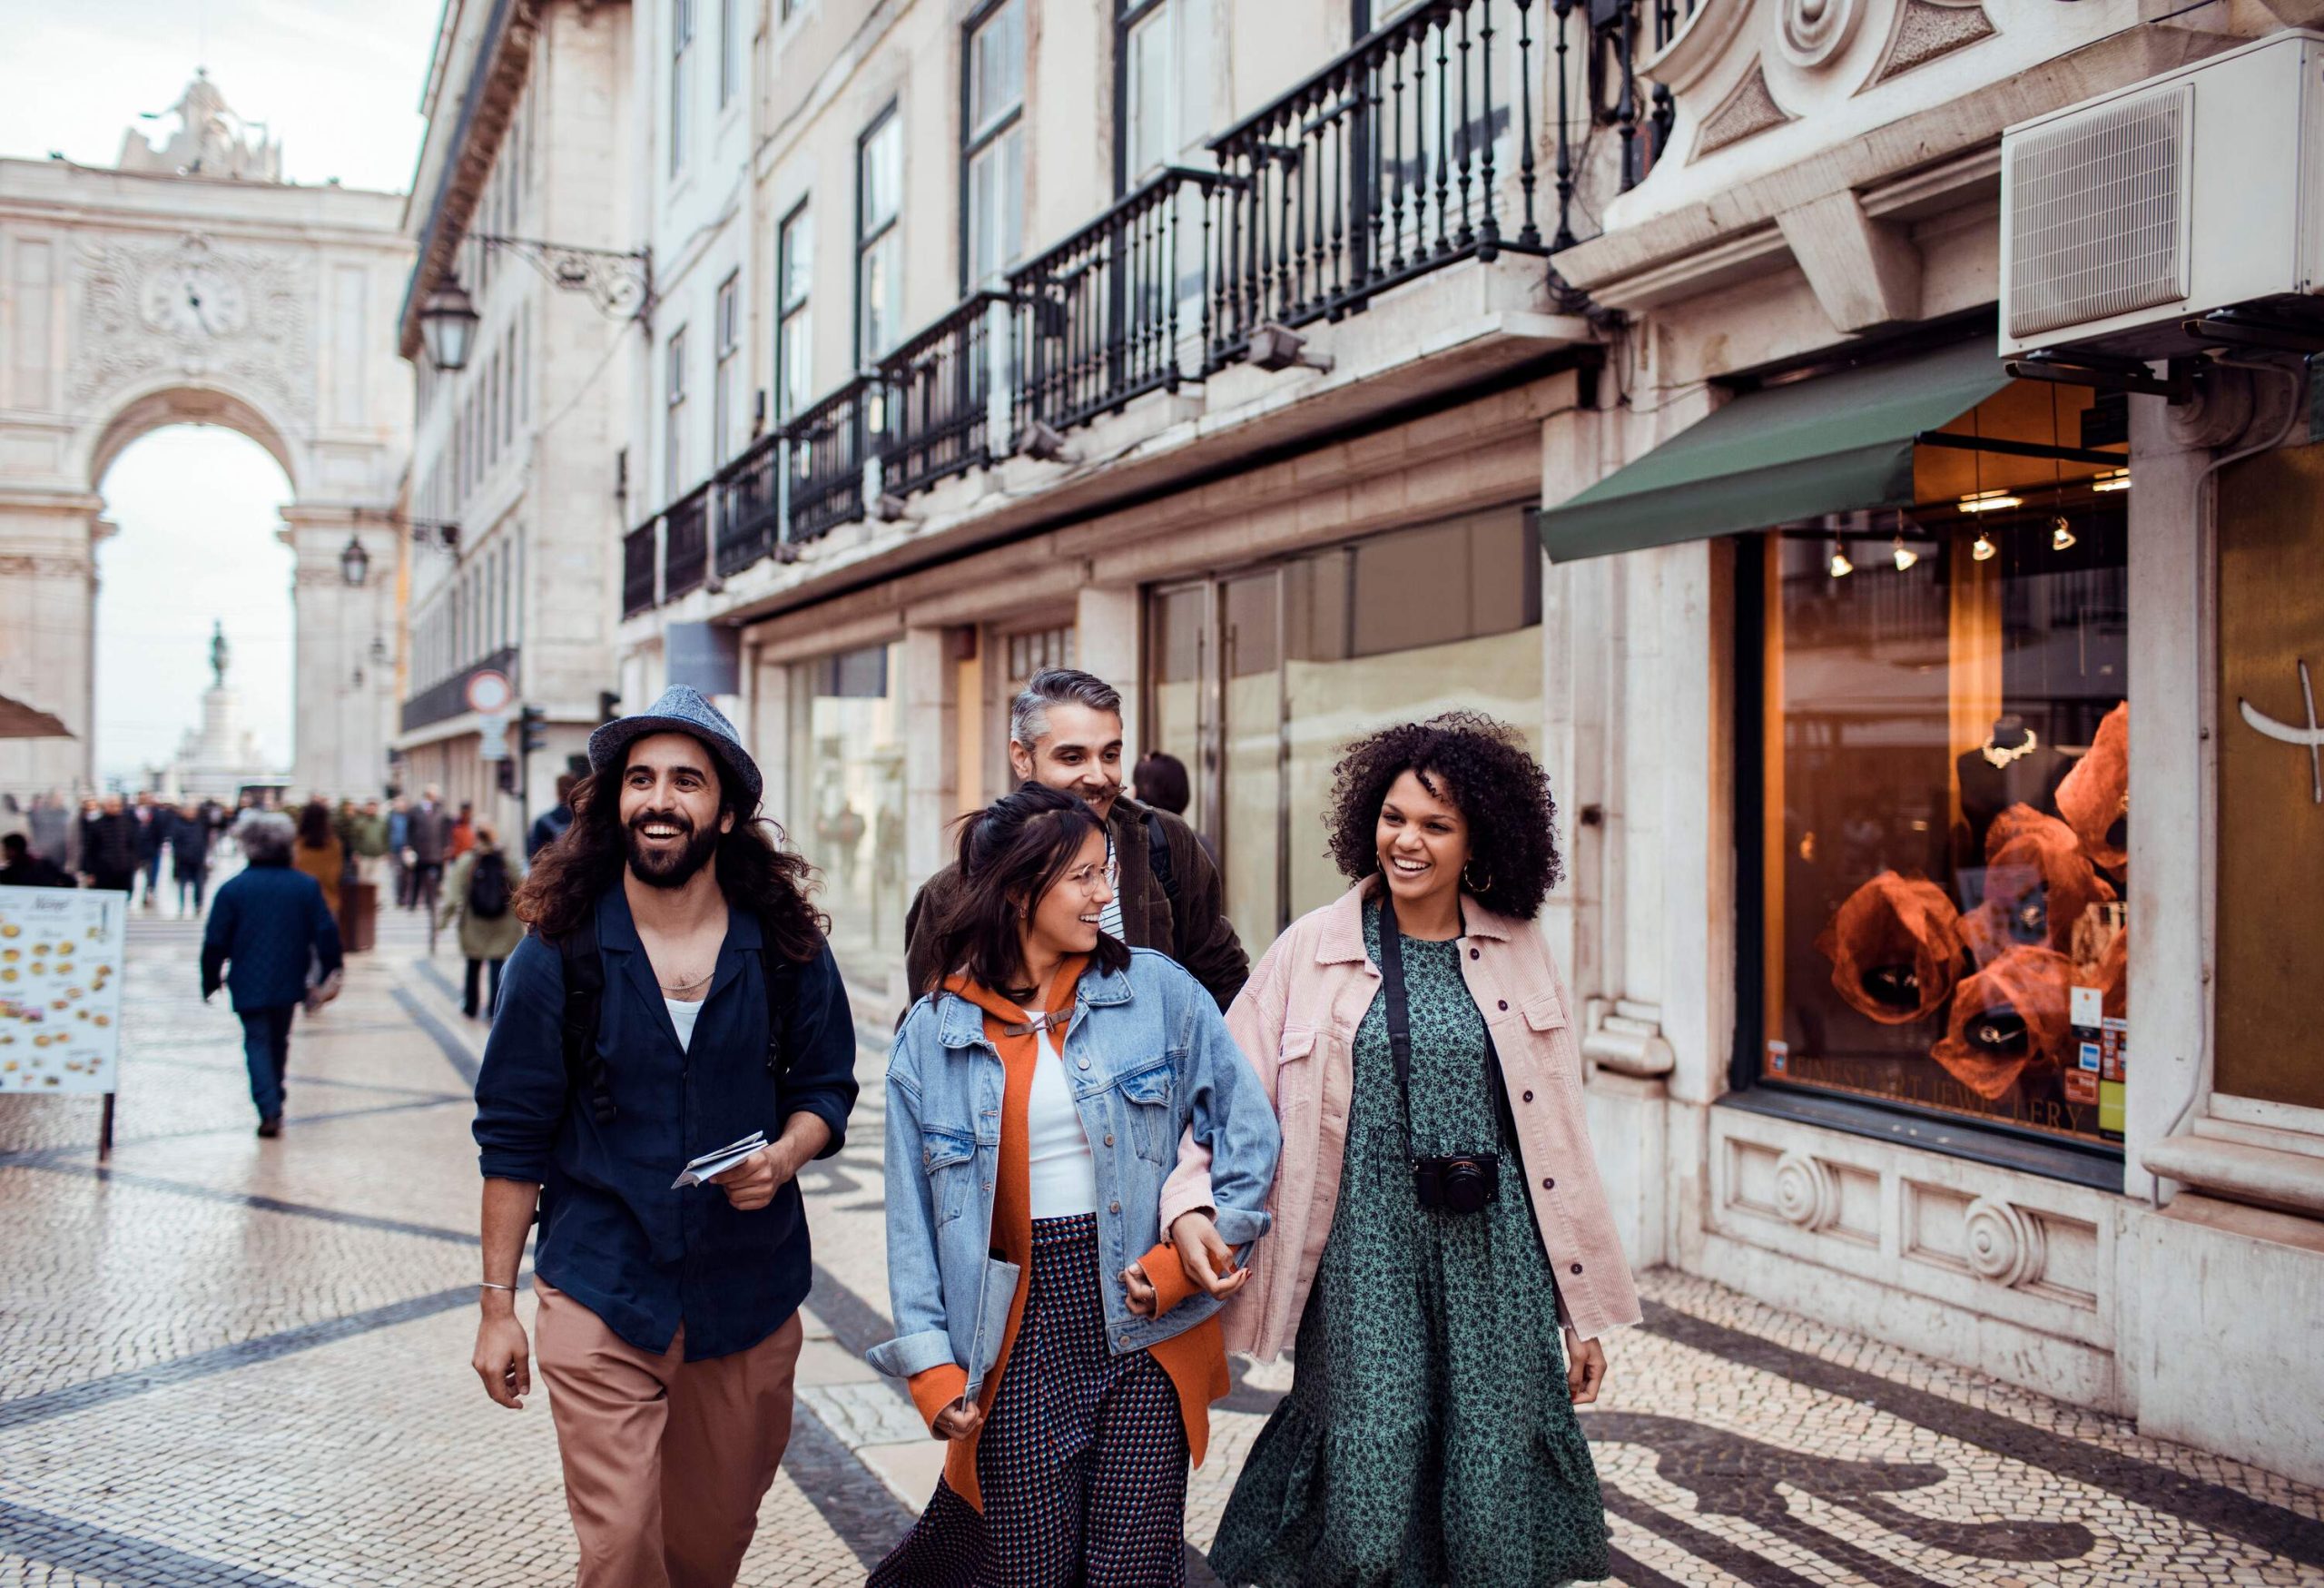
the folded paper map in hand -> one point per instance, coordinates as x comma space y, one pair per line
710, 1165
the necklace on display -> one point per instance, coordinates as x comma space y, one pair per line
1998, 757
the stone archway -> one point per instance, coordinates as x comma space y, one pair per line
189, 285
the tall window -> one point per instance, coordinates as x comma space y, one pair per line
729, 54
674, 433
794, 323
1162, 106
879, 238
993, 148
681, 53
722, 386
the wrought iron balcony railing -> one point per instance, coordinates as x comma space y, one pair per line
685, 543
749, 507
1462, 129
640, 561
828, 445
935, 409
1412, 150
1098, 317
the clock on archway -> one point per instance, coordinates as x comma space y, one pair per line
194, 300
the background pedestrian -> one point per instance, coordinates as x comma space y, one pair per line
550, 825
190, 858
268, 925
319, 853
109, 844
480, 890
21, 868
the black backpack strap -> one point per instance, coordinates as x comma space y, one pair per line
1157, 859
585, 991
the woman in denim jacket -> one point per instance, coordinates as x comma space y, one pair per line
1036, 1102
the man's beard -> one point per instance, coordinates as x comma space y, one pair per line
669, 868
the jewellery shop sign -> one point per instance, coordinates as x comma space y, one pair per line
61, 956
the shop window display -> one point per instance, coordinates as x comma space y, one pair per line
1258, 679
848, 752
1944, 778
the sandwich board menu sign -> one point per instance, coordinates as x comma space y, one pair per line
61, 962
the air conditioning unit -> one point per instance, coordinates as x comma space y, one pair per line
2197, 191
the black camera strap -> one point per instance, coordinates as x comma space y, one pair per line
1400, 1028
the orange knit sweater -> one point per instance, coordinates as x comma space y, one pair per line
1195, 1360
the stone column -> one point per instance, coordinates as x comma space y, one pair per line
48, 584
341, 695
1106, 631
930, 719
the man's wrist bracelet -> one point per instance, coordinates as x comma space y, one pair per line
488, 1285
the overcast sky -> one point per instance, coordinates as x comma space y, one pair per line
337, 83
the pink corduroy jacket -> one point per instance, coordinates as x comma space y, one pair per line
1295, 1020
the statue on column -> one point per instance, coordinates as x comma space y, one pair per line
219, 653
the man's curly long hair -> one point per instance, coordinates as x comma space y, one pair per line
754, 870
1480, 765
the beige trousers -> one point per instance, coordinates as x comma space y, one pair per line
666, 1460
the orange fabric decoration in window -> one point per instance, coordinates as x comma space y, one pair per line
2009, 1015
2095, 796
1895, 945
2038, 882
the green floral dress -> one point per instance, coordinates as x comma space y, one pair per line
1429, 1437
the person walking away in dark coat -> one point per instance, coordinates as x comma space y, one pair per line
24, 869
109, 846
190, 858
550, 825
668, 1329
400, 840
268, 923
1160, 783
480, 890
1065, 731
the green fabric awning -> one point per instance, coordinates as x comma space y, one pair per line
1827, 445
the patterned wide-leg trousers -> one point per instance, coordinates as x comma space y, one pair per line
1082, 1460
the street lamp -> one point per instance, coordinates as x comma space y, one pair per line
354, 562
447, 325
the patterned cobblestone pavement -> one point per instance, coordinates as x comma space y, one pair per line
224, 1361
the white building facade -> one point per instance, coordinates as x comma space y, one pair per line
1634, 374
517, 475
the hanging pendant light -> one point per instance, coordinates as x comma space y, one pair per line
1840, 567
1983, 547
2061, 535
1904, 555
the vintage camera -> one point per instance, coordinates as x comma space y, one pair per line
1462, 1183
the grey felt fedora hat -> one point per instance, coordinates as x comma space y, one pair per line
681, 710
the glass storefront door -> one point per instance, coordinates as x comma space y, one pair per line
847, 758
1258, 679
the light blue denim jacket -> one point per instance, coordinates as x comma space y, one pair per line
1149, 1057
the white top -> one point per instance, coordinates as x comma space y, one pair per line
1057, 1152
1110, 919
683, 1016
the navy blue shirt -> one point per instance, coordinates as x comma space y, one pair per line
614, 1236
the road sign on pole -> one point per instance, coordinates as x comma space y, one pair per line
494, 746
489, 692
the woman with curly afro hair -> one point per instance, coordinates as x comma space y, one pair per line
1442, 1255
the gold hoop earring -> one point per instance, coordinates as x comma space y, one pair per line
1472, 884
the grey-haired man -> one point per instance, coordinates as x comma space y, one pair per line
1064, 730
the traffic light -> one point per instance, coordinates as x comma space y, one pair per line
532, 729
507, 775
609, 705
